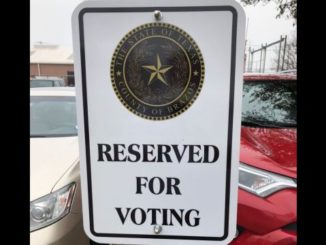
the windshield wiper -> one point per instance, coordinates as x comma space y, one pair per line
267, 124
256, 124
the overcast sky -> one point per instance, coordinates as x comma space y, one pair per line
51, 23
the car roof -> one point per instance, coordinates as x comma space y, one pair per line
46, 78
53, 91
268, 76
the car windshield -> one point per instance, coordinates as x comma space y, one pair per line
269, 103
52, 116
41, 83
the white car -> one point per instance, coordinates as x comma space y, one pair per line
55, 207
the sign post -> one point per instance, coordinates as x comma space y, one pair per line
159, 87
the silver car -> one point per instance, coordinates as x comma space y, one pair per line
55, 201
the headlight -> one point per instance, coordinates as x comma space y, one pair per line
262, 183
50, 208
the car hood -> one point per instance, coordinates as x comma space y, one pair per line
49, 159
272, 149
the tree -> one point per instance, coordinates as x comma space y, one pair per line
284, 7
290, 57
290, 60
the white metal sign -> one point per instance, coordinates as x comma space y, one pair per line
159, 87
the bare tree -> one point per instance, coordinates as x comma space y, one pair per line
290, 57
284, 7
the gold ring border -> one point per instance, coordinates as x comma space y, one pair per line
173, 27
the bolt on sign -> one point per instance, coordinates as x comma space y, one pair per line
159, 87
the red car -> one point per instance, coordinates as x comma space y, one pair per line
267, 202
267, 177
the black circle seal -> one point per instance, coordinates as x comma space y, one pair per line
157, 71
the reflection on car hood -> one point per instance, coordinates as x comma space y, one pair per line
272, 149
49, 159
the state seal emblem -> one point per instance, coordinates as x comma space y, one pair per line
157, 71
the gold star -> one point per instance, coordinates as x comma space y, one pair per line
195, 73
157, 71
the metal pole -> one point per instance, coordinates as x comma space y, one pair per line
247, 26
284, 50
265, 57
245, 62
264, 60
245, 57
261, 54
38, 68
279, 54
252, 61
246, 35
248, 60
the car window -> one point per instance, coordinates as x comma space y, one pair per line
269, 103
41, 83
52, 116
59, 83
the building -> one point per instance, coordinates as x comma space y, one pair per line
52, 60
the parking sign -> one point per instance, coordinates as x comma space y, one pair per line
159, 86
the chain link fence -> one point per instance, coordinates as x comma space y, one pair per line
278, 56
